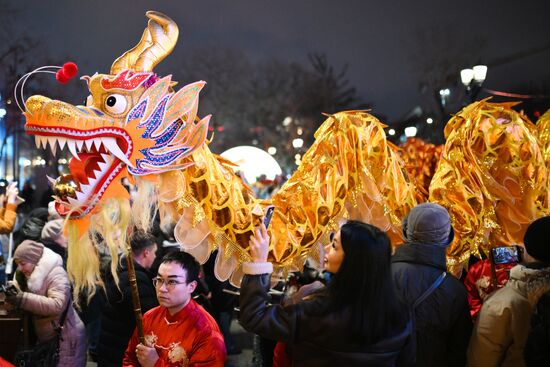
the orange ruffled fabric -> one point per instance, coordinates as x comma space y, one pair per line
421, 161
492, 178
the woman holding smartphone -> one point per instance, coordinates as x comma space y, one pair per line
355, 321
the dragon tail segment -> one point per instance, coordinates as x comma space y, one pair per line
350, 172
492, 178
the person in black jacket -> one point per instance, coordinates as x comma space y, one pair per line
355, 321
442, 319
117, 320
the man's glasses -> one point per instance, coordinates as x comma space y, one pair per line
169, 283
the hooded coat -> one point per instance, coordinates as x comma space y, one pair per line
48, 294
502, 328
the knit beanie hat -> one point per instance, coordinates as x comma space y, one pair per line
536, 239
29, 251
52, 230
428, 223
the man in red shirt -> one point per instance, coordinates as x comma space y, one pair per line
179, 332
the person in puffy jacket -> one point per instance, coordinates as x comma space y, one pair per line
503, 326
356, 320
45, 292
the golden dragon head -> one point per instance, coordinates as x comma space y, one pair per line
133, 124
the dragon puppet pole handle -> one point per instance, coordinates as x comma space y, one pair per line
135, 294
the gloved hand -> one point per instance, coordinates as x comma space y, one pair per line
13, 295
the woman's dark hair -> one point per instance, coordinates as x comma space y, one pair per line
364, 283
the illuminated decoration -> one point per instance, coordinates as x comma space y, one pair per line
491, 177
410, 131
543, 128
421, 160
135, 126
253, 162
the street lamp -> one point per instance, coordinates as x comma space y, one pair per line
473, 79
297, 143
410, 131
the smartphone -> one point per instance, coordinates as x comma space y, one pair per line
268, 216
505, 255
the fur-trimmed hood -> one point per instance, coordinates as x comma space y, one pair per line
46, 264
532, 283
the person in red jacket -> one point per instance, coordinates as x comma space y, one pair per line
179, 332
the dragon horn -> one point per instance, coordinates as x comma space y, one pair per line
164, 32
158, 40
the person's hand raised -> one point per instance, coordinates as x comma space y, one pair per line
11, 193
259, 244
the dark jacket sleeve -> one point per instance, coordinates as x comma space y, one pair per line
147, 294
273, 322
459, 337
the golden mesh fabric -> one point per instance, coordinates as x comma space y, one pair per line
492, 178
543, 127
421, 161
351, 171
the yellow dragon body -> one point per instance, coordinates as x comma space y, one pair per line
136, 126
492, 175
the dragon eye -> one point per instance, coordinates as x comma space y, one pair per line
116, 104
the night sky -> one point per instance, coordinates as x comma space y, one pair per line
377, 39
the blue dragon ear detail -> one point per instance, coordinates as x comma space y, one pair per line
170, 124
138, 111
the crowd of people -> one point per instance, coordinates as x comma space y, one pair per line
379, 307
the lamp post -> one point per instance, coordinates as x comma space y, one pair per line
473, 79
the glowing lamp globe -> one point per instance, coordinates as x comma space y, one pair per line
253, 162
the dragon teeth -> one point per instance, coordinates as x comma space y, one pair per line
97, 143
72, 202
89, 144
62, 142
43, 142
53, 144
51, 180
106, 162
111, 145
72, 148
